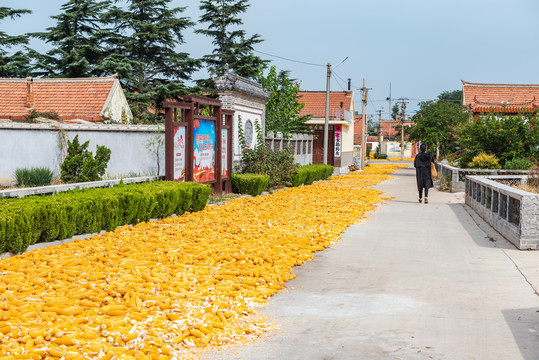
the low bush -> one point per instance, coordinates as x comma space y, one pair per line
33, 219
518, 164
310, 173
380, 156
279, 165
36, 176
484, 161
251, 184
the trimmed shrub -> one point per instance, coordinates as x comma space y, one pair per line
300, 176
33, 219
251, 184
380, 156
484, 161
308, 174
36, 176
518, 164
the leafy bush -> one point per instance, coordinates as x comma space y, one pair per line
251, 184
484, 161
25, 221
53, 115
278, 165
466, 158
36, 176
310, 173
507, 137
518, 164
369, 149
380, 156
80, 164
300, 176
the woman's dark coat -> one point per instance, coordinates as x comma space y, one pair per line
422, 170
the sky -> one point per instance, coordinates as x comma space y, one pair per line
420, 47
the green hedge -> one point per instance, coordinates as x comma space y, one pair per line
34, 219
252, 184
308, 174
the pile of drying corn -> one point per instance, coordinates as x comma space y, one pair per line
157, 290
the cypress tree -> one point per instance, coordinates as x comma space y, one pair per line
17, 64
231, 46
75, 41
143, 50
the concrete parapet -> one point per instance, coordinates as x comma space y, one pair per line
512, 212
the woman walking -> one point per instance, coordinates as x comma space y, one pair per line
422, 172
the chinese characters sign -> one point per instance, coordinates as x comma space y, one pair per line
338, 140
224, 152
204, 151
179, 153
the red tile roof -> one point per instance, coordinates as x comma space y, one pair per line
315, 103
81, 98
503, 98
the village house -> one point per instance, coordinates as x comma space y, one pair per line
72, 99
341, 125
506, 99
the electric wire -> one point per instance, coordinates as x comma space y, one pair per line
287, 59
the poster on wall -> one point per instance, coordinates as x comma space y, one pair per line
204, 151
179, 153
338, 140
224, 152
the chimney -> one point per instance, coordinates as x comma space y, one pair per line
30, 93
349, 84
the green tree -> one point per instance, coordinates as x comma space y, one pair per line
396, 110
75, 40
511, 137
231, 46
143, 45
18, 63
451, 96
283, 106
435, 124
80, 164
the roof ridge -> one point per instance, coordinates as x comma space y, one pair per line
466, 83
62, 80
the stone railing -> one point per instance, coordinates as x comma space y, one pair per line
512, 212
301, 144
454, 177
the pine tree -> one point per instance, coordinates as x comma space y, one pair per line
143, 51
232, 47
75, 41
17, 64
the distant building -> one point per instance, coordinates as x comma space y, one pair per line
507, 99
341, 125
86, 99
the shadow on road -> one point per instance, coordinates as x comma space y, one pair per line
524, 324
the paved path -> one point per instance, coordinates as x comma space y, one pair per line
414, 281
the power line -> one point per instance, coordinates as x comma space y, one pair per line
338, 82
287, 59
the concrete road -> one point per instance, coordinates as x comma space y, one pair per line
414, 281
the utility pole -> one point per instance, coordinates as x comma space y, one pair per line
326, 122
380, 138
365, 91
390, 111
403, 106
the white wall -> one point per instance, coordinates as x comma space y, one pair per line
37, 145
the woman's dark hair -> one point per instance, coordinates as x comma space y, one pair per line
423, 148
